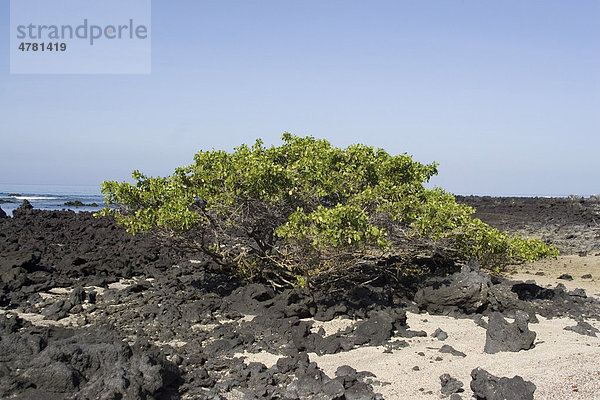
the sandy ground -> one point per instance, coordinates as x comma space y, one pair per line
563, 364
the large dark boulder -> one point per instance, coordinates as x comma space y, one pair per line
486, 386
250, 299
15, 266
463, 292
504, 336
27, 259
296, 302
376, 330
528, 291
314, 384
2, 213
89, 364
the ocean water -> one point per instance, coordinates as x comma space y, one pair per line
50, 197
54, 197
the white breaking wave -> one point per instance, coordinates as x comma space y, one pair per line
33, 198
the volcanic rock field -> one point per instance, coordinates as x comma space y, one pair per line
88, 311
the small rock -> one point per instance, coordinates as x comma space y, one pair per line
177, 359
405, 333
587, 276
478, 319
451, 350
450, 385
57, 310
333, 389
395, 345
577, 293
76, 309
439, 334
77, 296
566, 277
345, 371
583, 328
202, 378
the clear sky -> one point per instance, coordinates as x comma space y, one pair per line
504, 94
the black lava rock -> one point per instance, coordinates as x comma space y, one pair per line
450, 385
376, 330
464, 292
531, 291
583, 328
439, 334
81, 364
451, 350
409, 334
486, 386
503, 336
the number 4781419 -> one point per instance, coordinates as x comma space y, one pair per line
56, 46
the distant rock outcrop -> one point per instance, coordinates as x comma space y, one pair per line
78, 203
23, 209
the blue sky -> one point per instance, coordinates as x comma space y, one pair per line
504, 95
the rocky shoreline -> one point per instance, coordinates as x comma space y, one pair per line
572, 224
89, 311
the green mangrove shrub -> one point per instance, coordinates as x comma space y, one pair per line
288, 212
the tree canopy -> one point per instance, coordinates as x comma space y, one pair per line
306, 207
